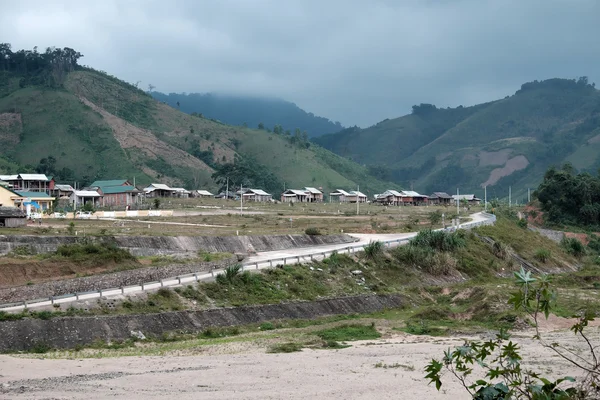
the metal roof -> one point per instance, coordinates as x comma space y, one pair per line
33, 177
410, 193
259, 192
337, 192
64, 188
441, 195
117, 189
392, 192
87, 193
113, 182
12, 212
160, 186
360, 194
34, 195
296, 192
9, 177
313, 190
467, 197
204, 192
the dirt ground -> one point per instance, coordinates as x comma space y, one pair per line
377, 369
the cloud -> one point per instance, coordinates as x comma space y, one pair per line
349, 60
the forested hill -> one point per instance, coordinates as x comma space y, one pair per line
75, 123
508, 142
251, 112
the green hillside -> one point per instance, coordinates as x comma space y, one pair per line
509, 142
81, 124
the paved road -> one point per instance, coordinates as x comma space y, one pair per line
261, 260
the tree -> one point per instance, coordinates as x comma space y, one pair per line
151, 87
505, 376
261, 126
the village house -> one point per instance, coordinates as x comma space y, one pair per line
116, 193
316, 196
257, 195
295, 196
412, 198
226, 195
440, 199
81, 197
389, 198
342, 196
8, 198
62, 191
29, 182
12, 217
201, 193
181, 193
159, 190
42, 201
470, 199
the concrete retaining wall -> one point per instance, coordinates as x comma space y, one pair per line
103, 281
159, 245
62, 333
556, 236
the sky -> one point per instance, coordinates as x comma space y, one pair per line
353, 61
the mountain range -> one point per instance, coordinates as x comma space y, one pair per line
502, 144
250, 112
78, 124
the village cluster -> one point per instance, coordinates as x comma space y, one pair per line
23, 195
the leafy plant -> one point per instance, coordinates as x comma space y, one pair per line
232, 272
505, 376
374, 249
71, 228
435, 217
312, 231
573, 246
542, 255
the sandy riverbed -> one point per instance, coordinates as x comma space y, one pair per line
246, 371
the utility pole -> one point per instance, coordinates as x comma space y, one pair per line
357, 199
241, 201
529, 195
457, 203
510, 196
227, 190
485, 197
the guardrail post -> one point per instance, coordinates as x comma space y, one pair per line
25, 305
76, 296
100, 291
311, 257
51, 299
179, 279
142, 285
271, 263
212, 272
298, 259
257, 265
196, 276
122, 290
162, 283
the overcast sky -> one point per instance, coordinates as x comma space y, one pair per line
355, 61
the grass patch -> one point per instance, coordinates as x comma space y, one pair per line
288, 347
345, 333
94, 253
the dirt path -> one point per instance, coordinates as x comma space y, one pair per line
378, 369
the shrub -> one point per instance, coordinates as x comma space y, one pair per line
71, 228
289, 347
435, 217
439, 240
542, 255
93, 252
522, 223
573, 246
267, 326
374, 249
232, 272
312, 231
501, 250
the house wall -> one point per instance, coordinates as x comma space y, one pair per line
117, 199
13, 222
5, 198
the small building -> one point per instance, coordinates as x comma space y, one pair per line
118, 196
12, 217
82, 197
412, 198
29, 182
41, 200
111, 183
181, 193
159, 190
257, 195
440, 198
62, 191
9, 198
470, 199
316, 196
339, 196
201, 193
295, 196
389, 198
226, 195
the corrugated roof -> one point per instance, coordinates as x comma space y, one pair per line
64, 188
113, 182
360, 194
204, 193
338, 192
313, 190
33, 177
259, 192
160, 186
12, 212
34, 195
467, 197
296, 192
410, 193
117, 189
441, 195
391, 192
9, 177
87, 193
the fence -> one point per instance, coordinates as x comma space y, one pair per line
489, 219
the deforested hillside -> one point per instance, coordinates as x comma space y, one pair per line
91, 125
508, 142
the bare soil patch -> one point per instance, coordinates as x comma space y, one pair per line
514, 164
487, 158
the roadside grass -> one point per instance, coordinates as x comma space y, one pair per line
350, 332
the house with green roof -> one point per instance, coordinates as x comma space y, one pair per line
116, 193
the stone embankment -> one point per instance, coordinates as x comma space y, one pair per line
110, 280
177, 245
68, 332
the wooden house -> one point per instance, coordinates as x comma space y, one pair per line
440, 199
339, 196
29, 182
257, 195
389, 198
470, 199
412, 198
201, 193
295, 196
316, 196
115, 193
159, 190
12, 217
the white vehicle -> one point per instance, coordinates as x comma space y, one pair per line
83, 215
